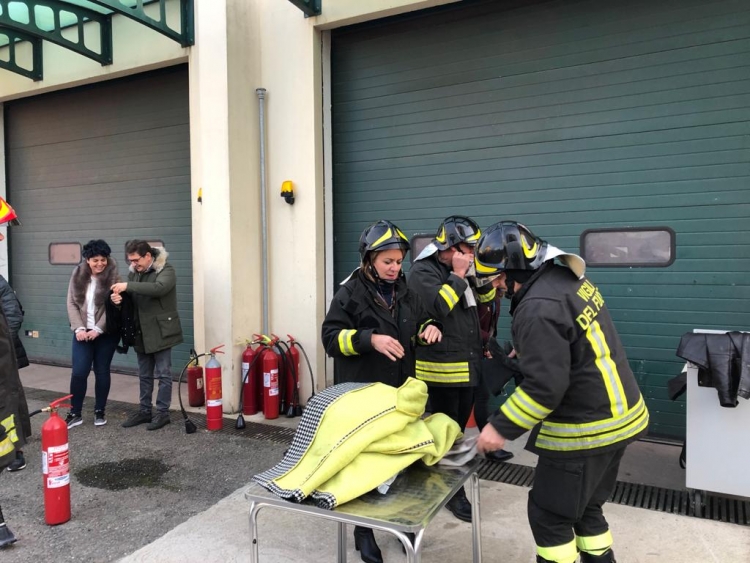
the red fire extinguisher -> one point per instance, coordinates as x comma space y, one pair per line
250, 380
196, 394
214, 417
269, 364
56, 466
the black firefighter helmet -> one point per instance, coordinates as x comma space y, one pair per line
456, 229
508, 245
382, 235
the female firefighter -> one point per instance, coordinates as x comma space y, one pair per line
372, 326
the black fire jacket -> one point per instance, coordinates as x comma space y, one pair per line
578, 392
356, 313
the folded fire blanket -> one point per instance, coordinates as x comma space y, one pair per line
354, 436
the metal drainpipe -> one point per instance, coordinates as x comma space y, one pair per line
261, 92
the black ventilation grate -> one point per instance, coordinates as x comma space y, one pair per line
685, 503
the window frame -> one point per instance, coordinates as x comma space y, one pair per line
672, 247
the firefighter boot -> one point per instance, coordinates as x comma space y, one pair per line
606, 557
6, 536
364, 542
460, 506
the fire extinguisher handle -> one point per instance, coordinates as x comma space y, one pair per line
58, 403
217, 349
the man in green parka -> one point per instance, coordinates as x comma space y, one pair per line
152, 285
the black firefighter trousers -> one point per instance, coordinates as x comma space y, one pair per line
565, 505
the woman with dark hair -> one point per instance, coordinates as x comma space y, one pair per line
92, 346
372, 327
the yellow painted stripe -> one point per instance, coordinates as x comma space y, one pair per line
565, 553
345, 342
449, 296
607, 367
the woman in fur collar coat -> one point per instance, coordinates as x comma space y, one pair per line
92, 346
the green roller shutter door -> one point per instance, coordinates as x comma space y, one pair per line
109, 161
566, 116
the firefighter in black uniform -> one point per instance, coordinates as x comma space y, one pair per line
578, 396
372, 326
450, 368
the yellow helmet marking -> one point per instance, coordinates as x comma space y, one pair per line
475, 236
441, 235
482, 269
529, 252
388, 234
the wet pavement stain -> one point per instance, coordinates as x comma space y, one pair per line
125, 474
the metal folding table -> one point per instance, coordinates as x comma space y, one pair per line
413, 500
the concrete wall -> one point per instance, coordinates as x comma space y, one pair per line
242, 45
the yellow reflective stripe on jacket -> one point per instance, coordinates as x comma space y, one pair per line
607, 368
450, 296
487, 297
10, 427
524, 411
438, 372
596, 545
345, 342
572, 437
565, 553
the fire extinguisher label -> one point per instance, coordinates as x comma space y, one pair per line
56, 466
213, 403
199, 383
273, 382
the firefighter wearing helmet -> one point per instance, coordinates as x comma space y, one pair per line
373, 325
15, 425
578, 396
451, 368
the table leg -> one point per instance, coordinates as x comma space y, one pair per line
341, 542
476, 523
254, 508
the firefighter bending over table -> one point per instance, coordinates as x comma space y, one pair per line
578, 397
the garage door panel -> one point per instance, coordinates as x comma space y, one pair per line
110, 161
566, 116
554, 54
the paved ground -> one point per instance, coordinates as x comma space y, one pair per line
165, 496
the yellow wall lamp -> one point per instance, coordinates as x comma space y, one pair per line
287, 191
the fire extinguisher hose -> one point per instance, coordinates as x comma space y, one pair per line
293, 402
309, 368
189, 424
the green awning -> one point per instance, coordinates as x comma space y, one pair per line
83, 26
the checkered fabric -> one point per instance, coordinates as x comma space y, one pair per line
303, 438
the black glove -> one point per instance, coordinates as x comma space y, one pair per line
498, 370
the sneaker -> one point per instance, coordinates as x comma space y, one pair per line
99, 418
6, 536
73, 420
18, 463
159, 421
140, 417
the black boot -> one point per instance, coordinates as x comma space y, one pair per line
606, 557
460, 506
364, 542
6, 536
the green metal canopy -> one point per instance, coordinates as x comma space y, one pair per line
83, 26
